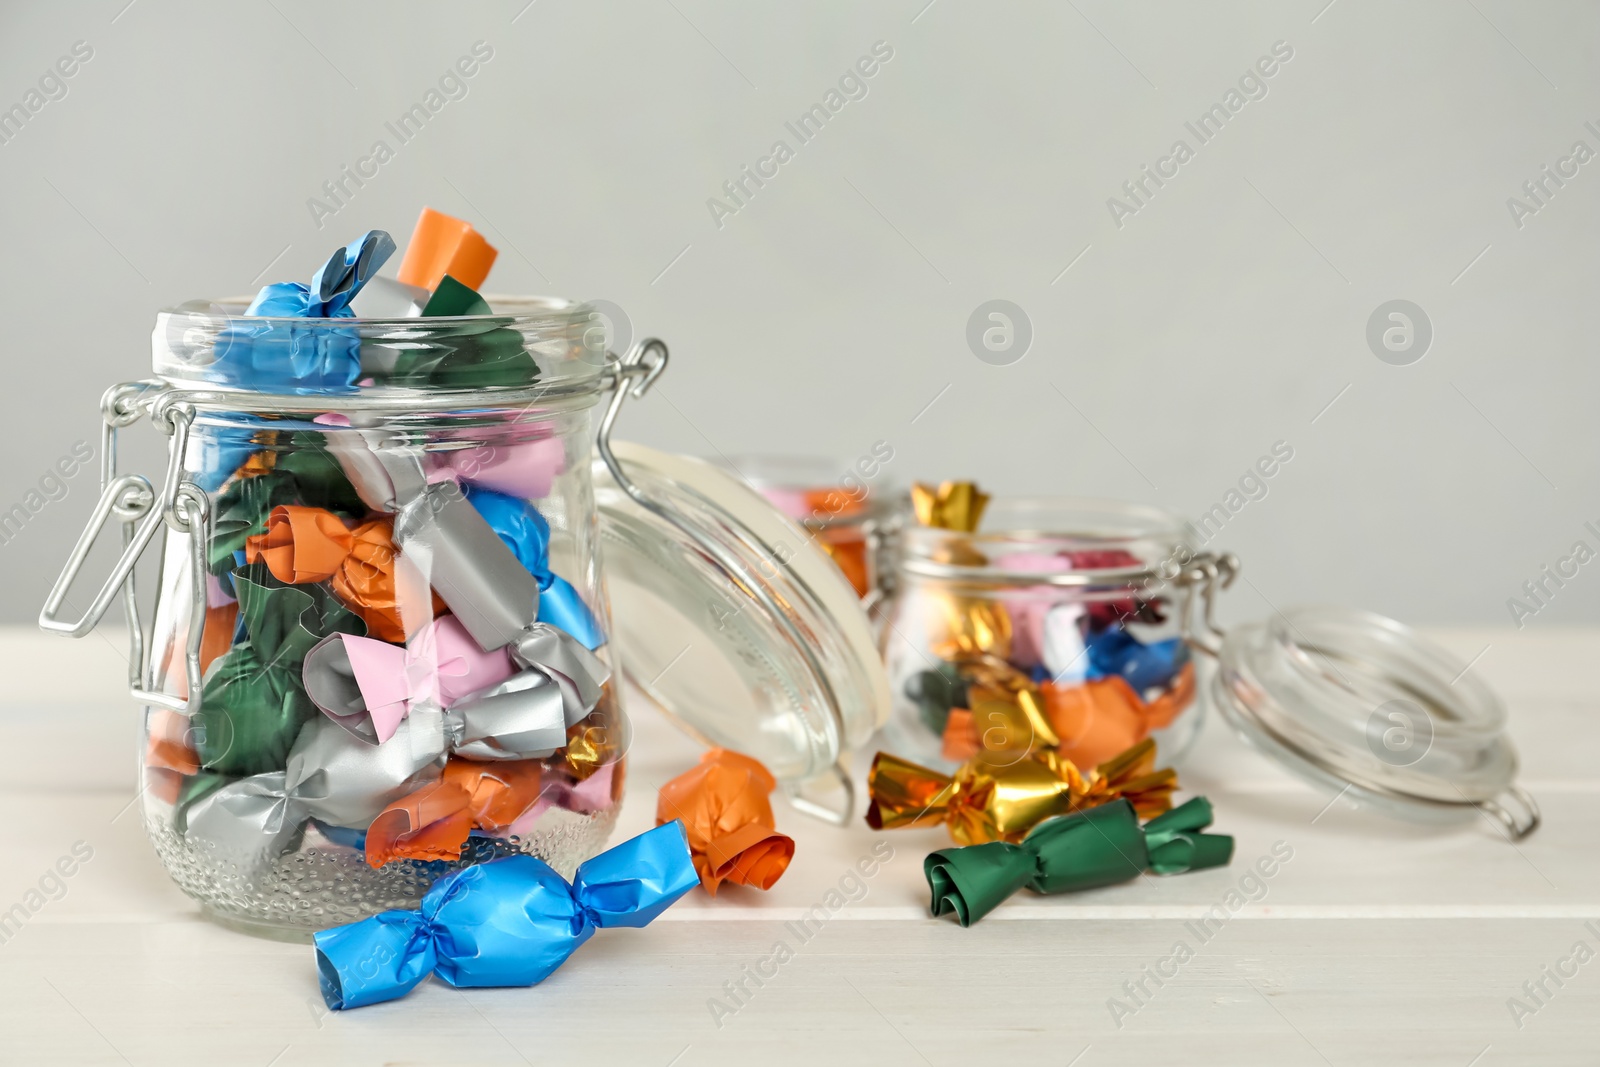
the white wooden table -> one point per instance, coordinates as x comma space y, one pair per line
1377, 943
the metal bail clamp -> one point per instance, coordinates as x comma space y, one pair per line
181, 505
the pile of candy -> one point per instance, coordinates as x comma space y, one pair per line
391, 665
1042, 667
513, 921
388, 655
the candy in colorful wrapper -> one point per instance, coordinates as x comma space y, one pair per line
950, 506
254, 703
214, 457
369, 577
480, 355
962, 626
584, 797
433, 823
1087, 849
275, 357
503, 800
386, 298
1063, 653
723, 805
595, 743
333, 286
454, 298
441, 245
936, 692
527, 534
1117, 652
496, 598
330, 775
1001, 800
471, 569
368, 686
1102, 717
510, 922
524, 469
305, 475
523, 716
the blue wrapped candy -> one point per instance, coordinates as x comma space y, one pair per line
335, 284
510, 922
527, 534
313, 359
1152, 666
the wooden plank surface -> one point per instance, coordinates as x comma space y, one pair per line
1377, 942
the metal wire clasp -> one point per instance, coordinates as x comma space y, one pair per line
1200, 579
181, 504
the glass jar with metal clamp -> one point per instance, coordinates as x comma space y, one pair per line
392, 621
1085, 626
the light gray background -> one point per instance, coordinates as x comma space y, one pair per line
831, 311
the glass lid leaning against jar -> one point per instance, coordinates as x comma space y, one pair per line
398, 593
1079, 625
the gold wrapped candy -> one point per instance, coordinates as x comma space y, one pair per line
964, 627
992, 799
952, 506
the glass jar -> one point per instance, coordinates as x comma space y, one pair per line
1081, 625
833, 502
1055, 626
381, 644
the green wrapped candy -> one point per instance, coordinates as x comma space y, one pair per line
484, 353
935, 692
452, 298
475, 358
1087, 849
254, 701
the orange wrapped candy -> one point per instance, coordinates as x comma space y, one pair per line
169, 757
217, 639
433, 823
313, 545
724, 807
443, 245
1085, 723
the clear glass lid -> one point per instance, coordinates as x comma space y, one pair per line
1363, 704
732, 620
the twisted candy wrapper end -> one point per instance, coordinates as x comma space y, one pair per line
334, 285
732, 833
1004, 795
510, 922
1088, 849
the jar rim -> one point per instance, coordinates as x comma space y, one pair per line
1028, 540
549, 345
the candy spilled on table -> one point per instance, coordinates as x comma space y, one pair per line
1099, 846
1001, 798
510, 922
722, 804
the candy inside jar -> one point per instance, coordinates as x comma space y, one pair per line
402, 667
1024, 625
382, 647
842, 506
